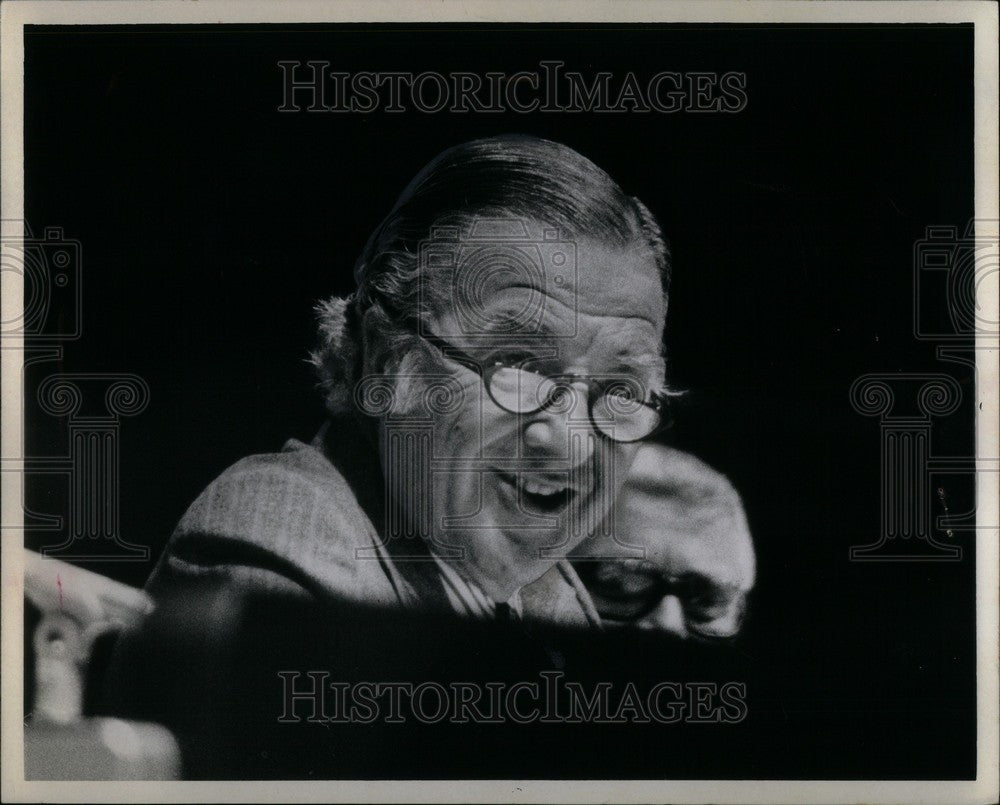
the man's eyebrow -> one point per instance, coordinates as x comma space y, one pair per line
641, 364
500, 325
647, 361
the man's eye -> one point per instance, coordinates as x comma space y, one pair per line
704, 601
623, 580
698, 613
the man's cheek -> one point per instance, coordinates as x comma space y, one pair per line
622, 459
612, 461
461, 432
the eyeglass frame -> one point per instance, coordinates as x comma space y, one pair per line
658, 401
680, 586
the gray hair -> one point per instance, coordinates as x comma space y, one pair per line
511, 176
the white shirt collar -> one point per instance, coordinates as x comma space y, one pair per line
467, 598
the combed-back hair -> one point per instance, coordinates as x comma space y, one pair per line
511, 176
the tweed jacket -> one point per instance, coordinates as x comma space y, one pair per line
308, 521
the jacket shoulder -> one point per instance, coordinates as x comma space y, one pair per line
289, 514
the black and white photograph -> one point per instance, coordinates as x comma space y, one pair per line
547, 403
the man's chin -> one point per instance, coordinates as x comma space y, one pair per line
511, 555
500, 586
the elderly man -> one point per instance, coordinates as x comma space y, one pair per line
486, 383
679, 558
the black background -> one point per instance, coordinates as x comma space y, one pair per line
210, 223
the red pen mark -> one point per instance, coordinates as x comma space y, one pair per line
59, 585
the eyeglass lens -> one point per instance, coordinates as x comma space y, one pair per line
619, 412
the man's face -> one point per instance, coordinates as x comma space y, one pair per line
512, 493
697, 563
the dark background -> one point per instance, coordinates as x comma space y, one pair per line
210, 223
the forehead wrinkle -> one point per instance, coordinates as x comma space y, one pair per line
603, 279
579, 303
618, 337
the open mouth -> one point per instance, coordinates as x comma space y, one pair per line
536, 495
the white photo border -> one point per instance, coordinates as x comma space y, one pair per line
15, 14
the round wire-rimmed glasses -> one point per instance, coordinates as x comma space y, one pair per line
617, 406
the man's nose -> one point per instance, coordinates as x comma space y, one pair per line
563, 430
667, 617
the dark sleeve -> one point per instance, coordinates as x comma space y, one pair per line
246, 587
197, 664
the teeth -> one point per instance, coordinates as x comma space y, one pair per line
540, 487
